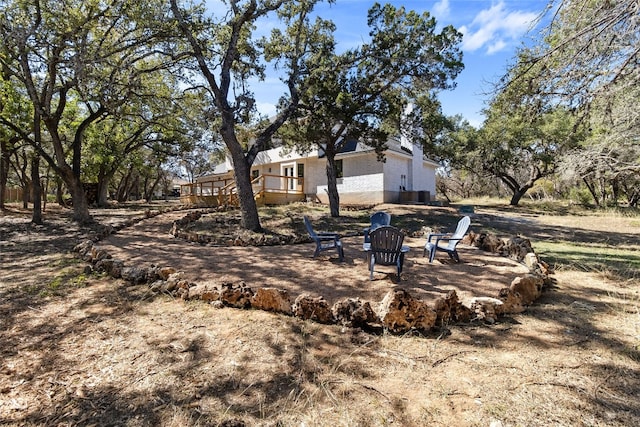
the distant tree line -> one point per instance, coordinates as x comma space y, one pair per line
564, 122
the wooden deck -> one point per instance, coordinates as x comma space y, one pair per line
267, 190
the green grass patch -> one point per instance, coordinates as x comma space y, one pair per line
548, 207
620, 263
68, 278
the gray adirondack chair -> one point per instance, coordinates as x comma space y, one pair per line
386, 248
324, 241
433, 241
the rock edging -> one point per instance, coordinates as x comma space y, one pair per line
399, 312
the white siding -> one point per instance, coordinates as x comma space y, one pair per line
365, 180
394, 168
424, 178
314, 175
362, 180
420, 176
361, 165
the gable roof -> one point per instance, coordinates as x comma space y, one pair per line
352, 147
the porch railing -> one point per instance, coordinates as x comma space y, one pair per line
267, 189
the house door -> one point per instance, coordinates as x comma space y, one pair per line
289, 182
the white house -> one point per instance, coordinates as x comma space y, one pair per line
281, 177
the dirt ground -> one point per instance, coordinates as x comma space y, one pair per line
293, 268
83, 349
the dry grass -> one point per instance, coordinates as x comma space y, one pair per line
94, 351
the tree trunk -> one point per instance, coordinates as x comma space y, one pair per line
36, 190
59, 192
26, 185
104, 178
242, 175
133, 192
248, 206
603, 192
4, 170
615, 191
148, 194
517, 195
122, 186
70, 174
517, 190
592, 190
80, 205
332, 185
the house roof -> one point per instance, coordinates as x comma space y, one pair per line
352, 147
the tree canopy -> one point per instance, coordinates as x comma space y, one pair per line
85, 56
587, 59
227, 55
567, 101
363, 93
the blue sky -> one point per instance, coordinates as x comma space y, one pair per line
492, 31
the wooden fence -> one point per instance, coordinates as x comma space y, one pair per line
12, 194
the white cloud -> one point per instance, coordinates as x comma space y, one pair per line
266, 108
496, 28
441, 9
497, 46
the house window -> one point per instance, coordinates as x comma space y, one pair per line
339, 172
300, 170
255, 173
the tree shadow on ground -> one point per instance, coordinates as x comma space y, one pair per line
207, 377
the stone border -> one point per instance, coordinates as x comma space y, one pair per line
178, 231
399, 312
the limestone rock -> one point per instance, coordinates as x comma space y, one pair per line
83, 248
205, 292
217, 304
156, 287
400, 312
517, 248
354, 312
238, 296
116, 268
529, 288
486, 309
312, 308
178, 275
450, 310
488, 242
112, 267
165, 272
512, 303
134, 275
98, 254
272, 299
531, 260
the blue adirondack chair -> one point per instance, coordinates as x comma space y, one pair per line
377, 219
324, 241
